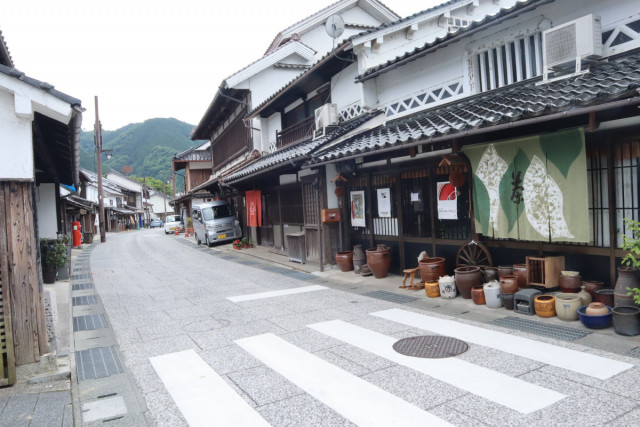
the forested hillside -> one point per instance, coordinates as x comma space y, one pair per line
146, 147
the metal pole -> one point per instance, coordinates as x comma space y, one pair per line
98, 142
164, 198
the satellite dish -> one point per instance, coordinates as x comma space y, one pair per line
334, 26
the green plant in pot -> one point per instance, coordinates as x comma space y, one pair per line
54, 256
626, 313
190, 224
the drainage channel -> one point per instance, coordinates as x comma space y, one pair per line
531, 326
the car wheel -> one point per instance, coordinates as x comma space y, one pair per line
197, 239
206, 239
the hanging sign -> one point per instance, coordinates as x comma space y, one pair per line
447, 201
384, 202
357, 209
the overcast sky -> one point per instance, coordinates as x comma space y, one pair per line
148, 58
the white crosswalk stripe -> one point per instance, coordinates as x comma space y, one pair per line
576, 361
279, 293
352, 397
511, 392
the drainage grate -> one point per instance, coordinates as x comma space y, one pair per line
82, 286
430, 346
247, 262
98, 362
80, 276
635, 352
390, 296
85, 300
89, 323
553, 331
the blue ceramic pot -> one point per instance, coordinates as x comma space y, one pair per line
594, 322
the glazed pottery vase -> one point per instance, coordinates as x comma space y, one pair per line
477, 295
489, 273
345, 260
626, 320
567, 305
505, 270
605, 296
545, 305
432, 289
359, 258
569, 284
626, 279
447, 287
379, 262
520, 271
585, 297
492, 295
507, 301
467, 278
508, 284
595, 321
431, 269
596, 309
592, 286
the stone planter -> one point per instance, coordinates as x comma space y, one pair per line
626, 320
345, 260
626, 279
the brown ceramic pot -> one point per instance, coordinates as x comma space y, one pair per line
569, 284
508, 284
431, 269
489, 273
596, 309
505, 270
467, 278
477, 295
379, 262
605, 296
345, 260
592, 286
545, 305
520, 271
626, 279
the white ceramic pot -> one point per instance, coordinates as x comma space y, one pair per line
492, 294
447, 287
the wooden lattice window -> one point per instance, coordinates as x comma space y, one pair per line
598, 197
626, 163
416, 211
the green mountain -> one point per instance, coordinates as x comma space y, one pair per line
146, 147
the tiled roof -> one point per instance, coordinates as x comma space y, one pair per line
12, 72
418, 52
298, 151
5, 55
606, 82
193, 154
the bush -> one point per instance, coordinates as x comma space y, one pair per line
54, 252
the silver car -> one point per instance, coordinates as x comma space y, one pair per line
215, 222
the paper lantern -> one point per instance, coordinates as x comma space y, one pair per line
456, 179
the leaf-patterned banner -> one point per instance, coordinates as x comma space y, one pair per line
532, 188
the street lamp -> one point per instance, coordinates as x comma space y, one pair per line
98, 142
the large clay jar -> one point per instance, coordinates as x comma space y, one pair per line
432, 289
545, 305
477, 295
505, 270
345, 260
626, 279
596, 309
358, 258
520, 271
585, 297
569, 284
626, 320
431, 269
605, 296
592, 286
379, 262
447, 287
467, 278
508, 284
492, 294
507, 301
567, 305
489, 273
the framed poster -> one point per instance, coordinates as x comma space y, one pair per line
384, 202
357, 209
447, 201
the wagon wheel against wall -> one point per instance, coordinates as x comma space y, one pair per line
473, 253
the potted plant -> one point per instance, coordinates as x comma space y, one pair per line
54, 256
245, 242
63, 271
626, 313
190, 225
237, 244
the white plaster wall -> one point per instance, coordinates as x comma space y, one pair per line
200, 165
270, 126
269, 81
15, 138
92, 193
343, 90
46, 208
332, 199
125, 182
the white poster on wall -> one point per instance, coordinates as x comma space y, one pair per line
447, 201
357, 209
384, 202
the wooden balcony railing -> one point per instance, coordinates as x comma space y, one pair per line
295, 133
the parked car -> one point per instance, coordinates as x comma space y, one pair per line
156, 223
172, 222
215, 222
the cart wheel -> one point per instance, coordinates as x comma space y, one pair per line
473, 253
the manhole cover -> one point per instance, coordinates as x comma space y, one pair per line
430, 346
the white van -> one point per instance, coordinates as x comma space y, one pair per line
215, 222
172, 222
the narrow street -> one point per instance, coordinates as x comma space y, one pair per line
202, 336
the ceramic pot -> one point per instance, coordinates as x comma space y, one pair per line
592, 286
447, 287
596, 309
567, 305
507, 301
605, 296
520, 271
477, 295
359, 258
626, 320
508, 284
432, 289
545, 305
467, 278
505, 270
492, 294
626, 279
585, 297
431, 269
379, 262
595, 321
48, 274
489, 273
569, 284
345, 260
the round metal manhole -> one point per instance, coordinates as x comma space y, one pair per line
430, 346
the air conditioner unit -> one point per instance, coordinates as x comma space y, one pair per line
566, 46
325, 116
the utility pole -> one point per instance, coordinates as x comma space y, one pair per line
98, 142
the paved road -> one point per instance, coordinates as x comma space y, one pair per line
211, 339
